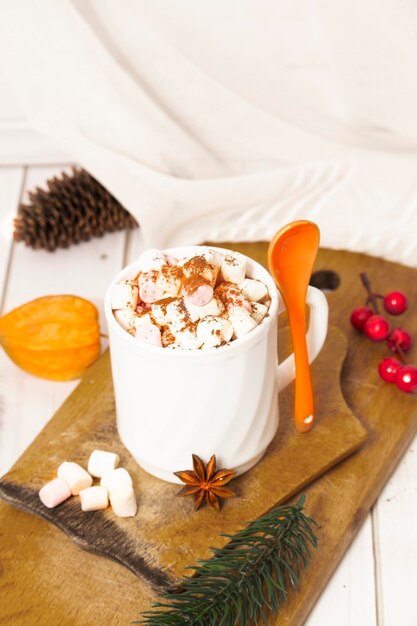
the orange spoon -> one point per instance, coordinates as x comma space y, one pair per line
291, 256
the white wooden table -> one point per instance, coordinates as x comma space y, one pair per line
375, 584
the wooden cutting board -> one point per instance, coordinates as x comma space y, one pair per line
48, 578
167, 535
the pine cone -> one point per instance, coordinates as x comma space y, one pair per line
74, 208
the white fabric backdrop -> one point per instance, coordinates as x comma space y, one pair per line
224, 120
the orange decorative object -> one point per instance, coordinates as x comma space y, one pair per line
291, 256
55, 337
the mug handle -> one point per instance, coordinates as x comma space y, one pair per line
316, 334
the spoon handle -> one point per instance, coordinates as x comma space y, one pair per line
304, 402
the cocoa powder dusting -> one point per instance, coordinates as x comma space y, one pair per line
191, 284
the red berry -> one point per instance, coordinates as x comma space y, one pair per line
399, 338
406, 378
376, 328
388, 369
359, 317
395, 302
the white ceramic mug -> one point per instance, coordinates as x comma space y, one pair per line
223, 401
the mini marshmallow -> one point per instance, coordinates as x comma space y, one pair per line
231, 296
213, 307
212, 256
115, 479
167, 338
187, 339
123, 501
126, 319
152, 259
124, 296
196, 291
94, 498
259, 311
169, 279
55, 492
143, 319
101, 462
149, 290
214, 331
177, 314
149, 333
241, 321
233, 267
253, 289
75, 475
160, 310
199, 267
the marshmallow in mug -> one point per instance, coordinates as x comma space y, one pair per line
198, 302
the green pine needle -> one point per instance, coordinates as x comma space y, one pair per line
247, 580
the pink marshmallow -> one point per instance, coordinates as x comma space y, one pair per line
149, 291
201, 296
54, 492
149, 333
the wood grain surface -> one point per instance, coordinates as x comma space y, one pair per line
167, 535
62, 584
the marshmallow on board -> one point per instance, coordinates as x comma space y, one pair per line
123, 501
94, 498
115, 479
55, 492
75, 475
101, 462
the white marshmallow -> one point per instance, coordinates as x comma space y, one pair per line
94, 498
75, 475
167, 338
123, 501
199, 266
126, 319
124, 296
214, 331
55, 492
186, 339
159, 311
214, 307
212, 256
241, 321
233, 267
176, 315
101, 462
152, 259
143, 319
253, 289
169, 279
149, 333
259, 311
113, 480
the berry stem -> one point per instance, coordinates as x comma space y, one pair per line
400, 353
372, 297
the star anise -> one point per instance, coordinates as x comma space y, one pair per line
205, 483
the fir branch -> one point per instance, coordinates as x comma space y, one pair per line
247, 580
